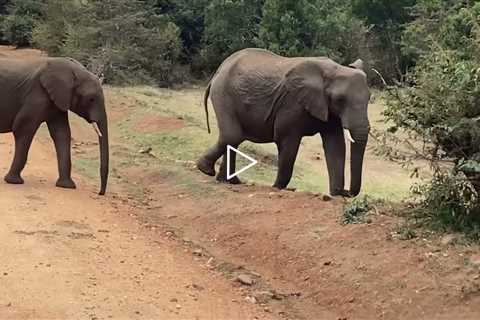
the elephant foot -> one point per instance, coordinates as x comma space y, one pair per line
13, 179
341, 193
279, 186
234, 180
206, 167
66, 183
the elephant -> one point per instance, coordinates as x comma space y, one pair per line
262, 97
44, 89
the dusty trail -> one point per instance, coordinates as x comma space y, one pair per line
74, 255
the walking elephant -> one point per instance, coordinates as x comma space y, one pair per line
262, 97
41, 90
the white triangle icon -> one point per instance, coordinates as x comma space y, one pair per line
251, 164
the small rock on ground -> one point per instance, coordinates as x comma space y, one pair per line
246, 279
475, 260
448, 239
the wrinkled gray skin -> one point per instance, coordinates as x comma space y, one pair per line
43, 90
262, 97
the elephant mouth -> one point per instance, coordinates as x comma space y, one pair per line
348, 135
96, 129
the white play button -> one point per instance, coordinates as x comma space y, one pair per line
250, 159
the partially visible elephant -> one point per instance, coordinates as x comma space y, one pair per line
262, 97
40, 90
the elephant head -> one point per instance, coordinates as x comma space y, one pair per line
336, 94
71, 86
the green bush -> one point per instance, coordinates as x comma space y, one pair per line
386, 20
288, 26
341, 36
449, 203
442, 106
17, 26
356, 211
49, 33
124, 41
229, 27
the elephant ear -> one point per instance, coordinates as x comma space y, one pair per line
305, 84
58, 79
358, 64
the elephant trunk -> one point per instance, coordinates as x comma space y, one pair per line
104, 154
358, 147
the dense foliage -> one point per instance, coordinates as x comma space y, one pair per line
440, 103
146, 40
19, 20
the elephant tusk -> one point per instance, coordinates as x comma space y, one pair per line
97, 130
348, 135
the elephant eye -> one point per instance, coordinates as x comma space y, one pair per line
92, 99
340, 101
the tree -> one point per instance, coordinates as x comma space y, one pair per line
17, 26
189, 16
386, 19
50, 32
229, 26
340, 35
288, 27
125, 40
3, 6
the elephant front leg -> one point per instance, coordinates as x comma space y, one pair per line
59, 129
287, 154
335, 151
23, 132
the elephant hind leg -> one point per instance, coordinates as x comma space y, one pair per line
206, 164
230, 134
222, 175
24, 130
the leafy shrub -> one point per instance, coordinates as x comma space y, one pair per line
355, 211
386, 20
341, 36
229, 27
314, 28
17, 26
124, 41
450, 203
442, 106
50, 32
288, 26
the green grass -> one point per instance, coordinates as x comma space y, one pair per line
87, 167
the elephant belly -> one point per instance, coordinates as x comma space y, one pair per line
258, 134
11, 96
258, 139
257, 130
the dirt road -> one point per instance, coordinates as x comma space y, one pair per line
74, 255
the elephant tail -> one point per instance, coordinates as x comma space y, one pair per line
205, 103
